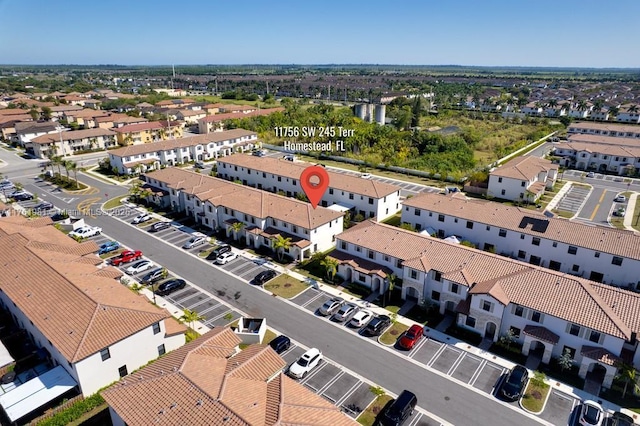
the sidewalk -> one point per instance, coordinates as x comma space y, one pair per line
628, 216
558, 197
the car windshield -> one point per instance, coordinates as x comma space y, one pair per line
591, 414
303, 362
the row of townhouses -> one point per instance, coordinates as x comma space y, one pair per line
70, 142
140, 158
605, 129
522, 179
546, 311
92, 329
623, 114
606, 255
604, 154
215, 122
148, 132
367, 197
256, 217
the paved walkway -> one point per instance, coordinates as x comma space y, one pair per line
628, 216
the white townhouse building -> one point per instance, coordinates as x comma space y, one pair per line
367, 197
28, 130
610, 154
605, 129
601, 254
75, 309
71, 141
170, 152
215, 122
532, 109
522, 179
253, 216
546, 311
628, 114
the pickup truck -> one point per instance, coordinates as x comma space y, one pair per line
126, 257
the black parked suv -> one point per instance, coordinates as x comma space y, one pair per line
280, 344
224, 248
513, 386
377, 325
170, 286
159, 226
400, 410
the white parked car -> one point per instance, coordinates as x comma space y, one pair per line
139, 266
307, 362
591, 414
361, 318
85, 232
620, 199
365, 175
141, 218
226, 257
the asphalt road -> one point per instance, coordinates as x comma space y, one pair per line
454, 403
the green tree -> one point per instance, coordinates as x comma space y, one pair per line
34, 114
508, 338
628, 374
330, 266
57, 160
281, 244
190, 317
416, 111
565, 361
46, 112
135, 191
237, 227
67, 166
391, 280
73, 167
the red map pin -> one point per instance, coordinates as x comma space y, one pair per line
316, 189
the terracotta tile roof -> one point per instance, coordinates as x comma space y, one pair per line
63, 108
244, 199
626, 128
204, 383
13, 111
88, 113
72, 135
524, 168
606, 240
600, 148
47, 278
270, 232
541, 333
169, 144
173, 327
599, 354
564, 296
151, 125
233, 115
604, 140
361, 265
234, 108
35, 126
291, 169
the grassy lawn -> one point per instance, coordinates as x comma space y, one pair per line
377, 172
391, 335
285, 286
206, 252
563, 213
535, 396
635, 220
369, 415
114, 202
147, 223
394, 220
111, 253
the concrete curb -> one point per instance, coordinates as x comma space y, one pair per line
544, 404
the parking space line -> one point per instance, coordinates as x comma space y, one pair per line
436, 355
211, 307
317, 296
332, 381
456, 363
417, 348
473, 379
349, 392
220, 316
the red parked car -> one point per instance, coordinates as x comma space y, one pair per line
126, 257
410, 337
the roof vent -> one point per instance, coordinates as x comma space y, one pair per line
199, 403
226, 418
174, 405
161, 412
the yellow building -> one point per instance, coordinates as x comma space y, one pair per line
153, 131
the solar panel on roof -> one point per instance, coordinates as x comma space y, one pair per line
537, 225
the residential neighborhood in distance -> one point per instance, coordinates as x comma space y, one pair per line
257, 218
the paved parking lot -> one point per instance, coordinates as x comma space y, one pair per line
408, 188
573, 200
559, 408
178, 235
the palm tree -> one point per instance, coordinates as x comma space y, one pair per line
553, 103
190, 317
128, 140
613, 111
582, 105
73, 166
57, 161
135, 191
629, 375
236, 227
66, 164
330, 266
632, 109
280, 245
391, 279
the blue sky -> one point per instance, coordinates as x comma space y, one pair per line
563, 33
